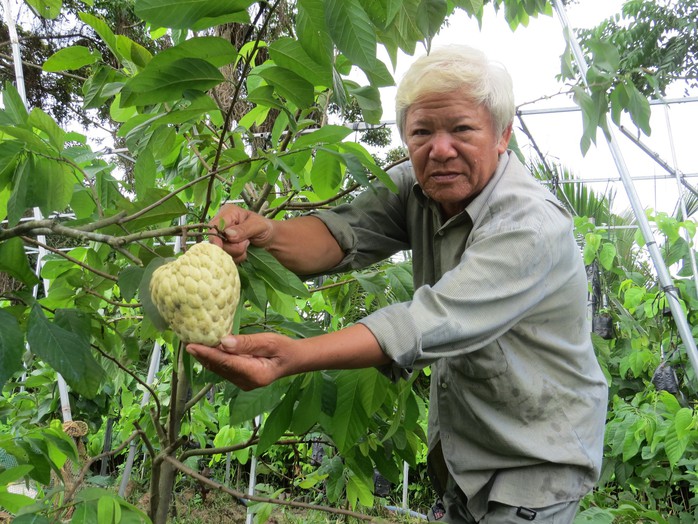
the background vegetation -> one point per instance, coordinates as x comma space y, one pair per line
190, 104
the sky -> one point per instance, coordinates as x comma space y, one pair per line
532, 56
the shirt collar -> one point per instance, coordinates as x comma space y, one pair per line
475, 207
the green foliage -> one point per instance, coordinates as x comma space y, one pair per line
206, 104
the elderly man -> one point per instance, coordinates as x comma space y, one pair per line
517, 401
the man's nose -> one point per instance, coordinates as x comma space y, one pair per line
442, 147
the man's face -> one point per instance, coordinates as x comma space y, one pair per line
453, 148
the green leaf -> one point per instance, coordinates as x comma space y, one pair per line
166, 210
215, 50
307, 410
639, 108
168, 81
312, 31
40, 182
66, 352
150, 310
683, 420
326, 174
192, 14
430, 16
14, 111
70, 58
277, 276
288, 84
369, 100
279, 419
350, 419
105, 33
290, 54
49, 9
607, 255
352, 32
328, 134
14, 262
144, 173
15, 502
40, 120
605, 55
11, 347
246, 405
360, 489
129, 281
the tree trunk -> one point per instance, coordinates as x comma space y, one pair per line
164, 473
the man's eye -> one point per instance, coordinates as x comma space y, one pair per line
461, 129
420, 132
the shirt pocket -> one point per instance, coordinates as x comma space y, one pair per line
485, 363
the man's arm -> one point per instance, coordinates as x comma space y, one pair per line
302, 244
252, 361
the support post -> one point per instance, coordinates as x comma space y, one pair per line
665, 279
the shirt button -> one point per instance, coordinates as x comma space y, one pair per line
444, 385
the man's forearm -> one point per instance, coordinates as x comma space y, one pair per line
354, 347
304, 245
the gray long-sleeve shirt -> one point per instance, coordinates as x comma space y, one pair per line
518, 400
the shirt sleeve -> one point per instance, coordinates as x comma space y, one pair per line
503, 274
372, 227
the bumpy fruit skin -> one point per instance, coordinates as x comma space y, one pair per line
197, 294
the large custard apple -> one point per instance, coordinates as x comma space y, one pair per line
197, 293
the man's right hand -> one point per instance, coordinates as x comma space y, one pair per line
234, 229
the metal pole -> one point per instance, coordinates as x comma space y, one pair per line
666, 282
152, 369
21, 90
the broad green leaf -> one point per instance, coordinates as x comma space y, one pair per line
639, 108
129, 280
431, 15
144, 173
312, 31
166, 210
369, 100
674, 446
683, 420
335, 484
30, 518
274, 274
352, 32
43, 183
215, 50
14, 502
192, 14
401, 283
49, 9
307, 410
246, 405
14, 474
633, 297
30, 140
350, 419
134, 55
66, 352
326, 174
156, 84
42, 121
328, 134
70, 58
360, 490
607, 255
14, 111
11, 348
605, 55
288, 84
104, 31
279, 419
108, 510
98, 87
14, 262
290, 54
150, 310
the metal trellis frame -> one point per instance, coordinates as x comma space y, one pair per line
665, 280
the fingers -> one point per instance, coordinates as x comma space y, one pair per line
234, 229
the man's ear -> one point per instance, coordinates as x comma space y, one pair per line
504, 139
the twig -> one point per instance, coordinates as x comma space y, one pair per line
243, 496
